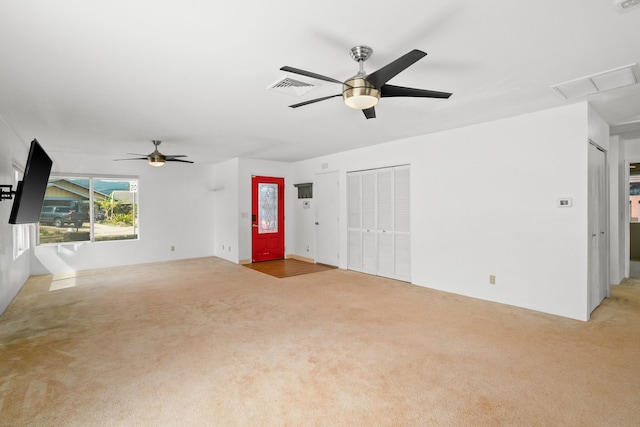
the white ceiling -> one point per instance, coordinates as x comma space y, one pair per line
107, 77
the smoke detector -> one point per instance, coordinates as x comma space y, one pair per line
626, 5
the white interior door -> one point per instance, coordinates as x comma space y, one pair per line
598, 227
327, 199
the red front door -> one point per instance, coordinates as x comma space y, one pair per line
267, 218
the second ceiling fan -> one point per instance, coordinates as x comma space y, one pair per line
156, 158
363, 91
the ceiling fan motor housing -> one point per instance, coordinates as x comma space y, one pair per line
156, 158
359, 93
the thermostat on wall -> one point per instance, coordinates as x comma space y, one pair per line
565, 203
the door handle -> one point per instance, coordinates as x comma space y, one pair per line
254, 225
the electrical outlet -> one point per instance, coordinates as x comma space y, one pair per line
492, 279
223, 247
173, 248
229, 248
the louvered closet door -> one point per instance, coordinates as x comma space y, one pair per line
369, 241
401, 224
379, 226
354, 205
384, 213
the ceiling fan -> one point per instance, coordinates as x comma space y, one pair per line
363, 91
157, 158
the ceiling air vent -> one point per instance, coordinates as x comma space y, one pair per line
291, 86
612, 79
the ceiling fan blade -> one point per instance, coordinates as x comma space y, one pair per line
392, 69
370, 113
173, 156
387, 91
133, 158
178, 160
309, 74
313, 101
136, 154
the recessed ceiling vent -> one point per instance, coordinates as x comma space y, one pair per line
612, 79
291, 86
626, 5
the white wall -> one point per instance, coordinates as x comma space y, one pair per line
484, 202
304, 238
175, 210
598, 129
13, 274
233, 205
225, 215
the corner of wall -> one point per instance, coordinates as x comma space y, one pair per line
13, 273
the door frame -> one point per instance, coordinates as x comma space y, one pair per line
280, 182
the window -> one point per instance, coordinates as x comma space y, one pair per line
96, 209
20, 231
20, 239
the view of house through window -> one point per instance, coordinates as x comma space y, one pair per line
67, 214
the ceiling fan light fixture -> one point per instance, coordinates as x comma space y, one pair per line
359, 94
156, 159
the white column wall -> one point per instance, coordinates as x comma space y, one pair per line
618, 202
484, 202
225, 209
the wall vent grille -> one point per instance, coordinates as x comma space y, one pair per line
291, 86
607, 80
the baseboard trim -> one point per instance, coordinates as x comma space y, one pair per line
301, 258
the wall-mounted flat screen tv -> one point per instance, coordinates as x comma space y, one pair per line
29, 197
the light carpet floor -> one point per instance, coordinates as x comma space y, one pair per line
205, 342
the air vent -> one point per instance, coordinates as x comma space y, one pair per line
291, 86
612, 79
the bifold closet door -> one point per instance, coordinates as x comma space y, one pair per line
384, 214
369, 232
354, 225
402, 224
379, 233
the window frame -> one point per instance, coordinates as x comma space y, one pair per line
91, 201
21, 232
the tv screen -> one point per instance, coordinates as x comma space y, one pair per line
29, 196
